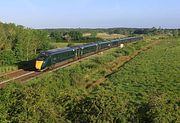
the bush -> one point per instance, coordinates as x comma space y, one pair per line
101, 105
7, 57
163, 108
19, 104
139, 45
127, 50
103, 59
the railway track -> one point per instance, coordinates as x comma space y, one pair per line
8, 73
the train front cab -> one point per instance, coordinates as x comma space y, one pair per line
40, 61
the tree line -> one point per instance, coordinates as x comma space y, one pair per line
71, 36
18, 43
76, 35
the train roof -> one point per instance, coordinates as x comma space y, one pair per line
103, 42
88, 45
59, 50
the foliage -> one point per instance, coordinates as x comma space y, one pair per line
145, 89
93, 108
7, 57
71, 36
8, 68
18, 43
152, 80
56, 97
123, 31
175, 33
163, 108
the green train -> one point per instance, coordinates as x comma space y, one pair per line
47, 59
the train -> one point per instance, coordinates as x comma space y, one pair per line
49, 58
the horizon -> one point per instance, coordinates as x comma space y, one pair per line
101, 14
56, 28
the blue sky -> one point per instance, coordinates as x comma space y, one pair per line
91, 13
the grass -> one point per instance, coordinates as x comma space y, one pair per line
5, 69
152, 80
155, 69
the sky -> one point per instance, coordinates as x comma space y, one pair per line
91, 13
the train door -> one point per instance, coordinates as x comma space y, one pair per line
97, 47
78, 53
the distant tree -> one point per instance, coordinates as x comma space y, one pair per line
67, 37
75, 35
175, 33
139, 31
56, 35
117, 31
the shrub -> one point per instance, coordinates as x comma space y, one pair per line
163, 108
7, 57
103, 59
101, 105
127, 50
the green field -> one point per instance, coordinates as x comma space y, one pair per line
145, 89
152, 80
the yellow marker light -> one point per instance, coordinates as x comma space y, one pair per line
39, 65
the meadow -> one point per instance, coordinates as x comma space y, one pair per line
152, 80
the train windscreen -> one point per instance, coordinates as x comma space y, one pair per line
42, 56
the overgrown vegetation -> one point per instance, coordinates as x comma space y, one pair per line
145, 89
18, 44
152, 79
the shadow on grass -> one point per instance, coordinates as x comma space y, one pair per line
27, 65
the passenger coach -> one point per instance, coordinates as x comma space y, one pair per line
47, 59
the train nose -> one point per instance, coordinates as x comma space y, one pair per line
39, 65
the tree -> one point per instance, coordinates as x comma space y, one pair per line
56, 35
67, 37
3, 38
7, 57
75, 35
175, 33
